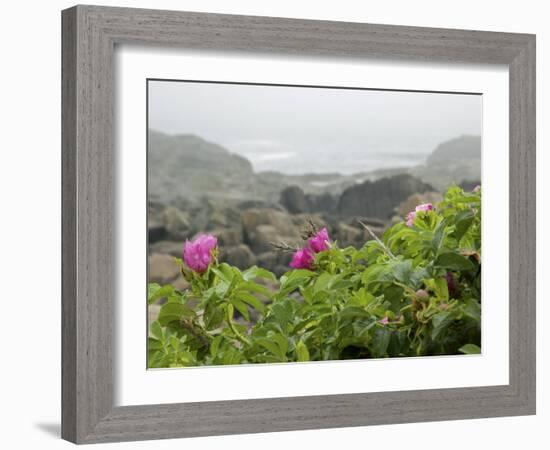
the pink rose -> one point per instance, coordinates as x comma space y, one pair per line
410, 218
424, 207
197, 254
319, 242
302, 259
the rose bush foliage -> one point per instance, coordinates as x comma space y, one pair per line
415, 292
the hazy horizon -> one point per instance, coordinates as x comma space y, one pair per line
299, 130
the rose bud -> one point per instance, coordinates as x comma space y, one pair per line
198, 253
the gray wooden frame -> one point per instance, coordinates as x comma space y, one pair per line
89, 36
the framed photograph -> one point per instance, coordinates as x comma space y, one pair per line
277, 224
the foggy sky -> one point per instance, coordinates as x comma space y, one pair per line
288, 128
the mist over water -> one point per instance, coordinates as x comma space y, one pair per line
297, 130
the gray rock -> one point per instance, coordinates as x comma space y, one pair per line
262, 227
379, 198
238, 255
173, 248
347, 235
275, 261
162, 268
176, 223
228, 236
294, 200
324, 202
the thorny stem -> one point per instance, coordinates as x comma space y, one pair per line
283, 247
189, 327
309, 231
238, 335
386, 249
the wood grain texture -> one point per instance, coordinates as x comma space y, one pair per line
89, 36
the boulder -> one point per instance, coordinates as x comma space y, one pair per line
324, 202
220, 216
262, 227
156, 232
162, 268
258, 204
173, 248
378, 198
228, 236
275, 261
294, 200
238, 255
347, 235
176, 223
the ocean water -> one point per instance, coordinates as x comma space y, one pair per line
346, 158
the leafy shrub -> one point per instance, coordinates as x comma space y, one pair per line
415, 292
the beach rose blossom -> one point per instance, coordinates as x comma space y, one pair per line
319, 242
424, 207
197, 253
302, 259
410, 218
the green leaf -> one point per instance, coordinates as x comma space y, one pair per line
241, 307
295, 278
439, 322
324, 282
272, 347
153, 344
470, 349
282, 342
256, 272
174, 342
394, 295
155, 292
214, 346
454, 261
156, 330
464, 220
439, 233
302, 353
251, 286
282, 311
252, 301
472, 309
402, 271
439, 287
224, 271
381, 340
172, 312
377, 273
213, 316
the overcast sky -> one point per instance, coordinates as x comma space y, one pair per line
297, 130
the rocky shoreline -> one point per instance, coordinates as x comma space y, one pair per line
195, 186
